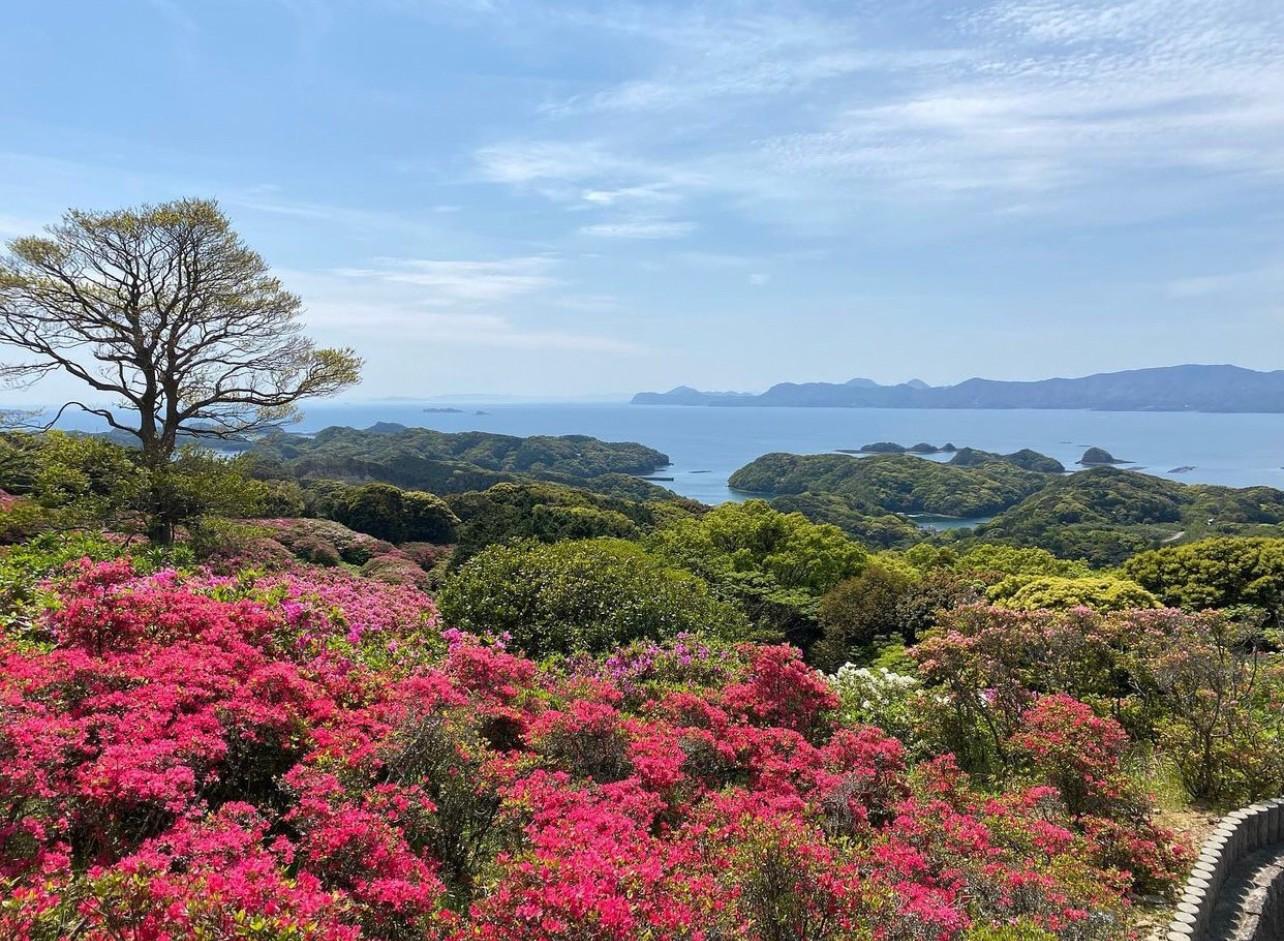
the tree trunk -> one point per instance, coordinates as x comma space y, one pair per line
159, 515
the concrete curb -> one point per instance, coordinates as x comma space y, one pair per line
1241, 833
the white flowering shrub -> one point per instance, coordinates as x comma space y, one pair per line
876, 696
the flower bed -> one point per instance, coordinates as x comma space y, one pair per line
307, 755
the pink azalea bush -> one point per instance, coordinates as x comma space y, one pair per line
307, 755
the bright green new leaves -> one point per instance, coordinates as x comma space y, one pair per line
589, 595
1215, 573
1058, 593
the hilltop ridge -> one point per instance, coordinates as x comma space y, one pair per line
1186, 388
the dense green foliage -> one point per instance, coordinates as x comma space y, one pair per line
892, 602
442, 463
775, 565
551, 513
387, 512
580, 595
877, 530
893, 483
858, 611
70, 481
1000, 559
1106, 514
1057, 593
1215, 573
1103, 515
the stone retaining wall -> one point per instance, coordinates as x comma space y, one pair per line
1236, 889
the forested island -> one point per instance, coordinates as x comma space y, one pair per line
1190, 388
1102, 514
423, 459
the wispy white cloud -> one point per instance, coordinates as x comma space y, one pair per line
272, 200
651, 193
424, 309
536, 161
639, 230
800, 113
706, 53
1268, 278
462, 281
1071, 93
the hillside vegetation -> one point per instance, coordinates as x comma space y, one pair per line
338, 710
423, 459
1102, 514
1106, 514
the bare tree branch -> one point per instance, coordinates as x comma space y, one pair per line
164, 309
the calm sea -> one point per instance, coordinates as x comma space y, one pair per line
707, 444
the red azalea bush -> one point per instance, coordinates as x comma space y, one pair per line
307, 756
1081, 755
1076, 751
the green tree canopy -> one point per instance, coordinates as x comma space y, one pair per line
396, 515
1001, 559
753, 537
1221, 572
1057, 593
85, 481
547, 512
774, 565
588, 595
860, 610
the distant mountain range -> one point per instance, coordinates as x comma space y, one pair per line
1188, 388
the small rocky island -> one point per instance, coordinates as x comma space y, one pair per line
1098, 457
891, 447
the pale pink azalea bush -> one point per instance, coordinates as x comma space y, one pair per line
307, 755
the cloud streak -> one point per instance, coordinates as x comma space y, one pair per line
639, 230
1027, 100
426, 303
450, 282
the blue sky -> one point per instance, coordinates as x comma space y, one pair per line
575, 199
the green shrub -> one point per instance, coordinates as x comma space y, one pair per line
396, 515
858, 611
547, 512
1102, 593
426, 518
282, 498
774, 565
1215, 573
77, 479
1001, 560
580, 596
